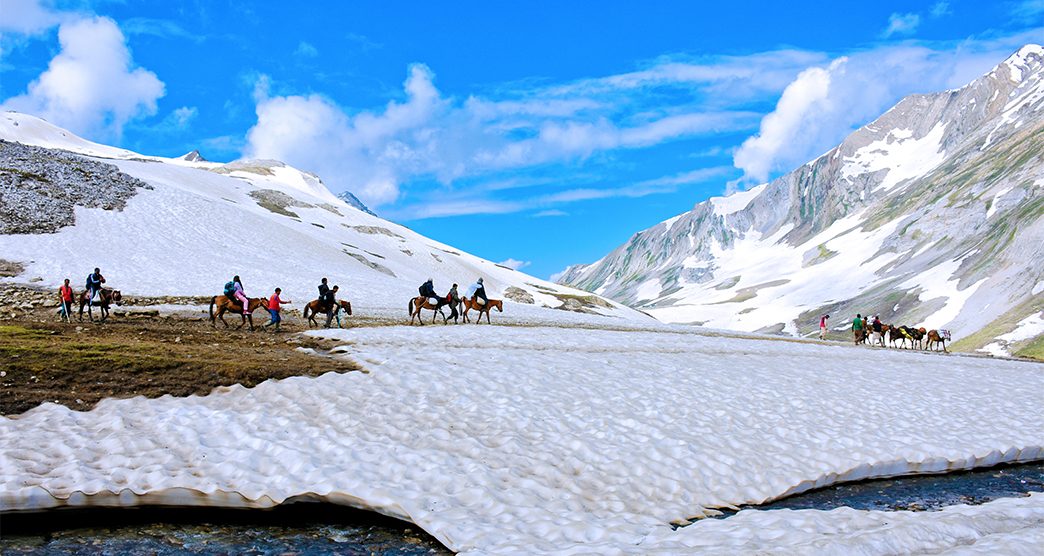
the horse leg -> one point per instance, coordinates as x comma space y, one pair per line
487, 316
221, 315
250, 318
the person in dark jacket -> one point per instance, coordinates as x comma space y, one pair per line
324, 293
94, 284
453, 299
331, 297
427, 289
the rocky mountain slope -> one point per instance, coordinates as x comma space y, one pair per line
184, 226
931, 215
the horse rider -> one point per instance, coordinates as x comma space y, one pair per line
237, 293
94, 285
478, 291
65, 292
324, 293
453, 298
427, 289
332, 308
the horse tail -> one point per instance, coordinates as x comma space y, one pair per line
213, 299
409, 308
307, 305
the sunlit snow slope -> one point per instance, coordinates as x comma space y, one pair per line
275, 226
565, 440
932, 215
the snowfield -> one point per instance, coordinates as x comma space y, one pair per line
274, 225
566, 440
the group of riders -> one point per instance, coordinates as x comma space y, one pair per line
863, 329
476, 291
327, 303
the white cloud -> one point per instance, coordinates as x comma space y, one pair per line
824, 104
427, 135
550, 213
514, 264
901, 24
306, 50
942, 8
28, 17
801, 100
184, 115
91, 87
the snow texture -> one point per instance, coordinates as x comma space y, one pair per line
534, 440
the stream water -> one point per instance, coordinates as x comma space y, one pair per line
310, 528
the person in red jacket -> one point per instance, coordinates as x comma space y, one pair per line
823, 326
65, 293
273, 309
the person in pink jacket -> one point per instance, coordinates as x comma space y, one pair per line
237, 292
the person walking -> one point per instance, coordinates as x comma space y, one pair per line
65, 295
453, 299
331, 296
273, 309
823, 326
858, 331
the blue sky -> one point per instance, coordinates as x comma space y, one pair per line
545, 133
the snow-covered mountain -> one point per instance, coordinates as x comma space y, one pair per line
184, 226
932, 215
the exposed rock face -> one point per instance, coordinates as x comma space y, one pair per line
354, 201
39, 188
933, 213
194, 156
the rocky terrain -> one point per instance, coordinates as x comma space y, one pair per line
932, 215
40, 188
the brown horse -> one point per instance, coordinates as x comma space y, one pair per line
316, 307
224, 304
106, 297
422, 302
937, 337
469, 304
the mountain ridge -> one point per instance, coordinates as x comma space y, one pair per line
891, 187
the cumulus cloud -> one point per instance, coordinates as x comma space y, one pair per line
91, 86
801, 101
430, 136
824, 104
514, 264
901, 24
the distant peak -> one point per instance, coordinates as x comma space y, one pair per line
354, 201
1026, 57
194, 156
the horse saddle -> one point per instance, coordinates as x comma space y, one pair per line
433, 300
479, 301
944, 334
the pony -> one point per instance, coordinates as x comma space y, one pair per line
316, 307
224, 304
915, 335
469, 304
422, 302
937, 337
106, 297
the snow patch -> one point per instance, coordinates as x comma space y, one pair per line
903, 158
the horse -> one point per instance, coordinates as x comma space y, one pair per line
915, 335
423, 302
469, 304
234, 306
106, 296
937, 337
312, 308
